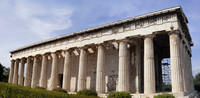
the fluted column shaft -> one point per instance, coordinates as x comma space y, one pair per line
184, 64
54, 71
100, 75
191, 85
176, 74
11, 71
149, 66
82, 70
15, 79
67, 71
21, 73
27, 80
34, 81
123, 84
43, 79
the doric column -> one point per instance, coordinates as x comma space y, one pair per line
27, 80
149, 65
184, 64
191, 85
82, 73
43, 79
67, 71
123, 84
100, 72
34, 81
10, 80
54, 71
176, 74
21, 73
15, 79
138, 68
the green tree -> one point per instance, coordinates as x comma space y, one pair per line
4, 73
197, 82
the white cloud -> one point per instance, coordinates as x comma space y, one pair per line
44, 20
26, 22
195, 70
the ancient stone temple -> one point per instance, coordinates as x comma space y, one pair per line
125, 55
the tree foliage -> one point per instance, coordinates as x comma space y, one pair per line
4, 73
197, 82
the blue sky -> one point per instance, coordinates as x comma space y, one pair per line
23, 22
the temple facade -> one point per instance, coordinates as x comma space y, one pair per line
124, 55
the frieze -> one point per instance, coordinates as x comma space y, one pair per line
96, 34
132, 26
138, 24
106, 32
153, 21
166, 18
115, 30
127, 26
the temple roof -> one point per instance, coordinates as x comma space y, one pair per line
155, 13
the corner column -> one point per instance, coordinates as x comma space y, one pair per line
149, 65
123, 84
15, 79
100, 75
21, 73
27, 80
11, 71
176, 74
67, 71
82, 73
43, 79
54, 71
35, 73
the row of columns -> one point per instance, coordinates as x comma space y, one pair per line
123, 80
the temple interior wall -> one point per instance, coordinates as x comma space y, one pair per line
60, 70
49, 66
112, 56
39, 70
91, 71
132, 69
74, 73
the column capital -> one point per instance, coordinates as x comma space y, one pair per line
22, 59
151, 36
17, 60
53, 53
46, 54
125, 40
100, 45
69, 50
12, 61
84, 47
175, 32
30, 57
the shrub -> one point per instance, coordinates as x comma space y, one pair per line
2, 87
197, 86
119, 95
39, 87
164, 96
167, 87
60, 90
87, 92
13, 91
197, 82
